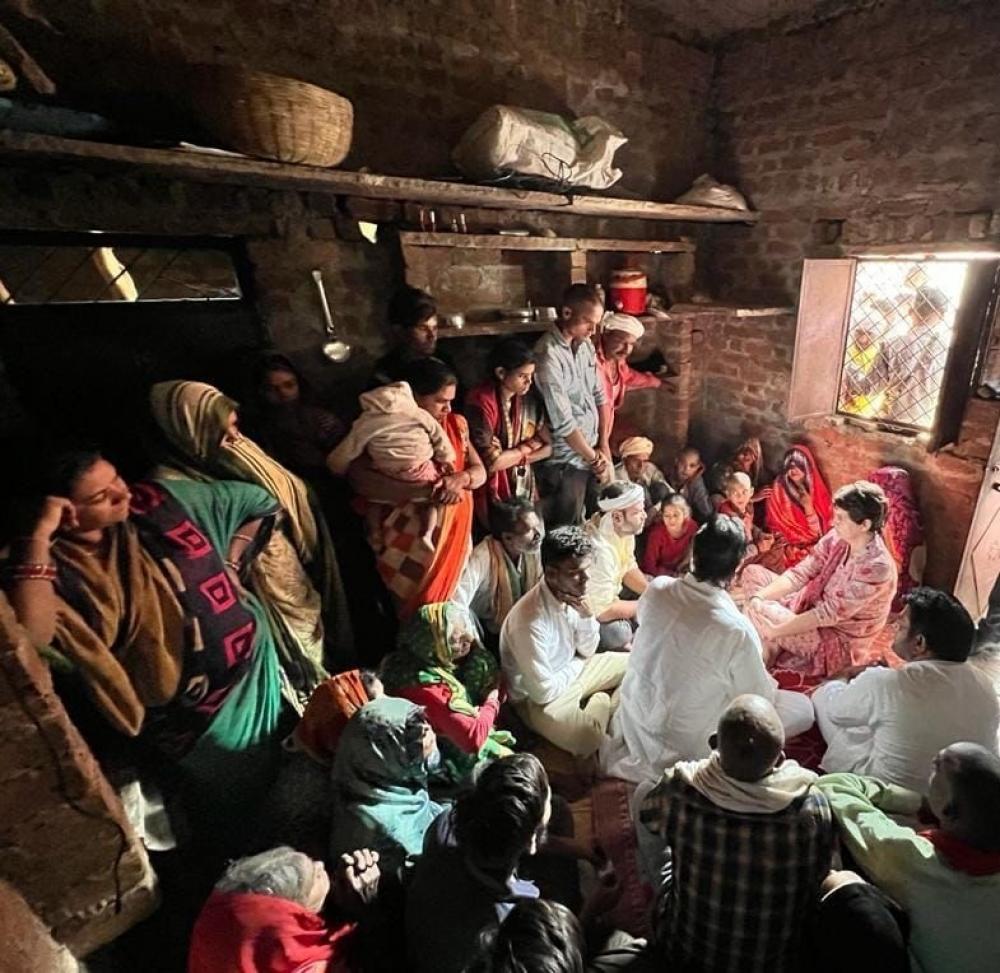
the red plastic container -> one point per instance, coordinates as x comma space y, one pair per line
627, 291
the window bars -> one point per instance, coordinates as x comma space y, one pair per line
900, 329
62, 274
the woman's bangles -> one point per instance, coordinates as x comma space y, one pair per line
28, 571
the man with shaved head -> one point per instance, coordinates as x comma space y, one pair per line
947, 877
746, 840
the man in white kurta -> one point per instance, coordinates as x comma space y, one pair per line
558, 684
890, 723
622, 515
693, 653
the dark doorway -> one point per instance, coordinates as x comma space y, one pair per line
83, 368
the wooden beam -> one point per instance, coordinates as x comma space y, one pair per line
499, 241
212, 166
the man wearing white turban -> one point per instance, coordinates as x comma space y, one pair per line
621, 516
615, 342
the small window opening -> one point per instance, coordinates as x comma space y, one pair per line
899, 333
99, 274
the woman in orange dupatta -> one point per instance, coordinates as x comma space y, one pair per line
414, 573
799, 508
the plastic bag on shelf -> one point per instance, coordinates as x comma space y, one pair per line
706, 190
507, 141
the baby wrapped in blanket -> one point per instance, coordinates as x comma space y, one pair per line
402, 441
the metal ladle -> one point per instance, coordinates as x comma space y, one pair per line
334, 349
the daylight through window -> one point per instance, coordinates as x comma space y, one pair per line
900, 329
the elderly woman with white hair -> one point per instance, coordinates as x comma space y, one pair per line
264, 914
615, 341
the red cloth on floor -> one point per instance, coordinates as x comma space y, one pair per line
807, 748
246, 933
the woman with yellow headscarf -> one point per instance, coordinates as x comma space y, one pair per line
296, 575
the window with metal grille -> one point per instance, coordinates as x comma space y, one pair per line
893, 341
111, 273
899, 333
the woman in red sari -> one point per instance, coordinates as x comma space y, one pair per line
414, 573
798, 509
506, 424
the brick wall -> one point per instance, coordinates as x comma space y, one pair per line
880, 125
886, 119
28, 946
418, 71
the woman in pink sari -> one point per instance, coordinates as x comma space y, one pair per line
824, 614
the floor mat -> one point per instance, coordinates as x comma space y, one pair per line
614, 832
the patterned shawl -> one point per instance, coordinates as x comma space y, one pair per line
904, 526
425, 658
413, 574
151, 621
297, 575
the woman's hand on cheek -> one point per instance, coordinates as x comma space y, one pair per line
57, 513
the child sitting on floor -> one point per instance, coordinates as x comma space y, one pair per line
668, 544
738, 492
688, 479
402, 441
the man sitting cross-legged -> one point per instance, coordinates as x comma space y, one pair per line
557, 684
503, 566
747, 840
693, 653
946, 878
889, 723
613, 530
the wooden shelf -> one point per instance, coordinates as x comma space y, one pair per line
486, 328
738, 311
502, 241
211, 166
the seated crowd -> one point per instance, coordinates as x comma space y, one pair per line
679, 631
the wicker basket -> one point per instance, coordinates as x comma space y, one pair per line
272, 117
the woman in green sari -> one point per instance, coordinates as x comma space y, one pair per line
441, 667
137, 592
296, 576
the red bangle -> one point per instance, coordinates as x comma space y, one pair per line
31, 572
